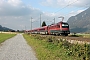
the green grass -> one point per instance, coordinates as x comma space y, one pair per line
4, 37
52, 49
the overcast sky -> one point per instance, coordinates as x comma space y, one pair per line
16, 14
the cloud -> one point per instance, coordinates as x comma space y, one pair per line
14, 2
73, 13
12, 10
68, 7
79, 11
16, 15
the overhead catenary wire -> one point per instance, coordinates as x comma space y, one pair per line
70, 4
79, 8
66, 6
59, 10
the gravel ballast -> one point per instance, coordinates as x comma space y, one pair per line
16, 48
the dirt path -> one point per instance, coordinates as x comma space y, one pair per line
16, 48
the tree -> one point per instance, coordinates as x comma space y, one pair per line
43, 24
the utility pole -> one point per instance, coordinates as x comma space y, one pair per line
31, 23
40, 20
54, 20
25, 27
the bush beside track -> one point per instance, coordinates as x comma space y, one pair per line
49, 48
4, 36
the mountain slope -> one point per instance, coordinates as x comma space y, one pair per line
5, 29
80, 22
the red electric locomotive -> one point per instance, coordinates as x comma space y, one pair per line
61, 28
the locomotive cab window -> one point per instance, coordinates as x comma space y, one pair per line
65, 25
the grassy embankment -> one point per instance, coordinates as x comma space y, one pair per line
48, 48
4, 36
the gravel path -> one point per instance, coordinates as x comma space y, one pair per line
16, 48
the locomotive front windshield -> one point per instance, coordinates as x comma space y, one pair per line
65, 25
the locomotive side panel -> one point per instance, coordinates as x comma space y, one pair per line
59, 29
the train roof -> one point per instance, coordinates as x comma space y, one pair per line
40, 27
57, 23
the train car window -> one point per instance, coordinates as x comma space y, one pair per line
65, 25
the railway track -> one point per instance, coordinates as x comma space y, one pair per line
71, 39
